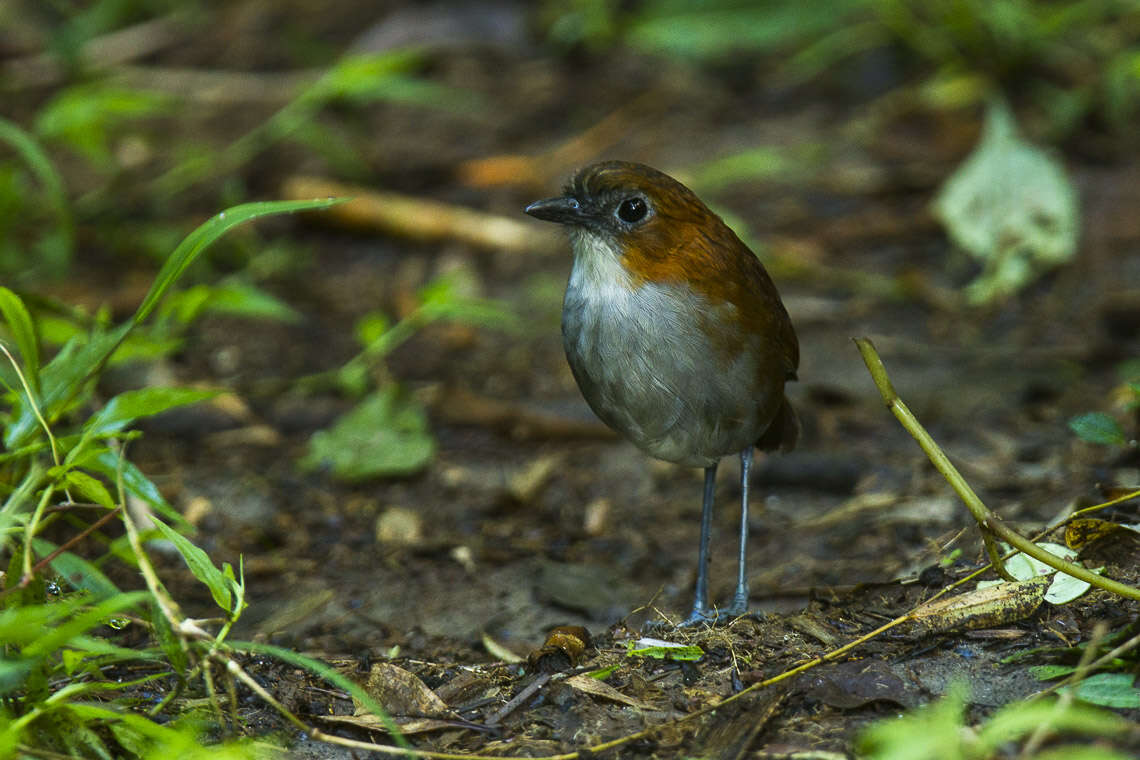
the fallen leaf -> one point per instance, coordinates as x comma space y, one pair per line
592, 686
1010, 205
374, 723
985, 607
401, 693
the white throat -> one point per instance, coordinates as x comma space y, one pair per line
598, 273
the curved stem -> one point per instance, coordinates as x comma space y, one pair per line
987, 520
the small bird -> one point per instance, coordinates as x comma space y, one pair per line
675, 333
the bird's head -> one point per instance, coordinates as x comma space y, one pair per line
658, 228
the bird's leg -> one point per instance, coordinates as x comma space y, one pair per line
739, 604
701, 613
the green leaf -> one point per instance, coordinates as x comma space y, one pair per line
1011, 206
245, 300
332, 676
1022, 718
13, 673
158, 740
129, 406
685, 653
168, 642
1049, 672
371, 327
449, 297
73, 659
722, 27
83, 115
198, 240
90, 488
66, 375
201, 566
931, 732
1110, 690
762, 163
62, 380
24, 333
34, 156
49, 641
1065, 588
78, 572
137, 484
371, 77
386, 434
1097, 427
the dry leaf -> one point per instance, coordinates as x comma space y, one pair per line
374, 723
984, 608
401, 693
594, 687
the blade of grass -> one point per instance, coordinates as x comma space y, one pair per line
24, 333
185, 254
333, 677
37, 160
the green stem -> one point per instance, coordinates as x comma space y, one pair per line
987, 520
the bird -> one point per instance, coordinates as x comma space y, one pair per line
675, 334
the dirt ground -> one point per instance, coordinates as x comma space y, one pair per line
532, 515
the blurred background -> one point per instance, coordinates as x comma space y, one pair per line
399, 451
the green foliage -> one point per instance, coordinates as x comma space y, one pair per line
84, 116
716, 29
354, 80
222, 583
690, 653
387, 432
123, 134
1104, 429
764, 164
1070, 60
1011, 206
1097, 427
36, 228
1109, 690
23, 330
1063, 588
937, 731
60, 691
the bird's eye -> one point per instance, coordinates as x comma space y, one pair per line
632, 210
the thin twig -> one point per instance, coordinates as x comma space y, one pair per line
1102, 505
525, 694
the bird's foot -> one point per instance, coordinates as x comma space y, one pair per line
713, 617
738, 607
704, 616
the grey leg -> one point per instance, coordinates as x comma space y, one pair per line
701, 613
739, 604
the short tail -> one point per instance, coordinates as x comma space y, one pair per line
784, 431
